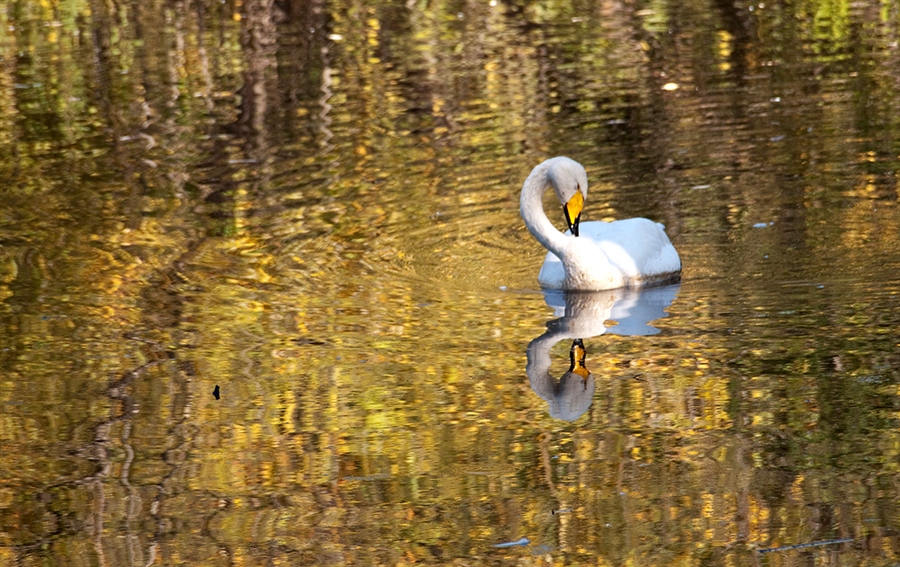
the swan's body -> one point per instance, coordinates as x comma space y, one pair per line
605, 255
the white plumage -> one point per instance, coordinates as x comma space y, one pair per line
605, 255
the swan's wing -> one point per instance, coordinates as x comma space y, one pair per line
639, 247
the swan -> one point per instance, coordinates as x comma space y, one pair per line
597, 255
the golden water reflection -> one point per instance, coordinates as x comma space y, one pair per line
585, 315
313, 206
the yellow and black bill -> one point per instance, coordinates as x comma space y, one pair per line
572, 209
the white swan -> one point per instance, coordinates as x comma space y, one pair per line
592, 255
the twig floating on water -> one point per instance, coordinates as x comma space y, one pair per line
523, 541
802, 545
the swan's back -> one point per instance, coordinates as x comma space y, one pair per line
637, 250
639, 247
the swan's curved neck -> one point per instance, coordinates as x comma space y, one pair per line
532, 210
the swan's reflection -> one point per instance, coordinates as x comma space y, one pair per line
582, 315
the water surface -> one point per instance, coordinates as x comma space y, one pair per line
313, 206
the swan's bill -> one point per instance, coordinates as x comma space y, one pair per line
577, 355
573, 211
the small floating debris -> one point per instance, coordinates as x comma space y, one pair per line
307, 341
216, 392
763, 224
561, 511
805, 545
670, 87
521, 542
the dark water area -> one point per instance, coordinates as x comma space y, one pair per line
311, 208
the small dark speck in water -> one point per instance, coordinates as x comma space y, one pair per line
216, 392
307, 341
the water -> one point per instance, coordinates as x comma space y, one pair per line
313, 206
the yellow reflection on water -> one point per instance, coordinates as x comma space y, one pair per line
324, 224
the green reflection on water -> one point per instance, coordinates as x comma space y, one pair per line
314, 206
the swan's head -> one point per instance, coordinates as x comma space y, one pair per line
569, 181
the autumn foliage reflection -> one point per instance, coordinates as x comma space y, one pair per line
312, 204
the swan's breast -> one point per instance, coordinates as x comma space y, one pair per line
552, 274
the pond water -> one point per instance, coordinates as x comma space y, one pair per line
310, 208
